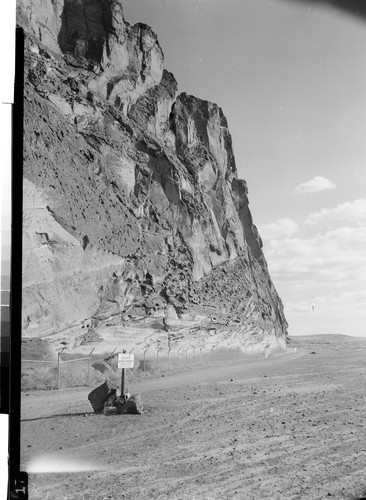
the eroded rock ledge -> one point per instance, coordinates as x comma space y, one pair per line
134, 217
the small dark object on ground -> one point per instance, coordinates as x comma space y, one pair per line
104, 400
313, 352
100, 395
132, 406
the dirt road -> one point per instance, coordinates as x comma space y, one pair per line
291, 426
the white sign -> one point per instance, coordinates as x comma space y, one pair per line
125, 360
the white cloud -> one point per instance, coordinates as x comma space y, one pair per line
324, 257
279, 229
336, 257
315, 185
353, 211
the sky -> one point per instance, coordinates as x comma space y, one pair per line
290, 76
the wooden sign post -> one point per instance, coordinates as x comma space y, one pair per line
123, 382
125, 361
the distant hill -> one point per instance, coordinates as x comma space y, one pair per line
325, 338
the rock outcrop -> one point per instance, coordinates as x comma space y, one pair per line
134, 217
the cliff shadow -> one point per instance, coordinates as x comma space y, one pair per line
85, 27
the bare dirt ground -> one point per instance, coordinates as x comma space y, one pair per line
291, 426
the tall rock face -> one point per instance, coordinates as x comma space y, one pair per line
134, 218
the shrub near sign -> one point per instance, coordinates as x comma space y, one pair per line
125, 360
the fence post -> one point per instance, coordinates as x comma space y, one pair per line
169, 358
123, 377
58, 369
157, 357
130, 352
178, 356
110, 363
89, 366
145, 351
89, 370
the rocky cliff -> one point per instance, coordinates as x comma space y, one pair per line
135, 221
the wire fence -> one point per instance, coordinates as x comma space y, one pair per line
153, 359
56, 374
94, 369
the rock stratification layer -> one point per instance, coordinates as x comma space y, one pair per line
134, 218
